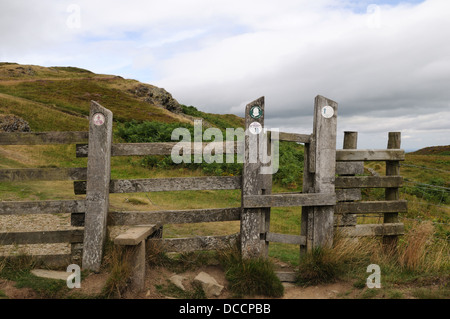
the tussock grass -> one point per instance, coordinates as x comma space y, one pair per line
420, 258
116, 262
250, 277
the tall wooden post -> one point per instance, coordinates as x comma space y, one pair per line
253, 219
351, 142
392, 169
324, 132
97, 185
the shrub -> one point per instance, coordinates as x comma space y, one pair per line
291, 155
249, 277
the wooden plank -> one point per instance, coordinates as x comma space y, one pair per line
252, 219
370, 155
372, 207
294, 137
285, 239
286, 200
349, 168
197, 243
341, 220
368, 181
324, 131
42, 237
42, 207
348, 194
40, 138
157, 148
135, 235
174, 216
167, 184
43, 174
373, 230
392, 194
97, 185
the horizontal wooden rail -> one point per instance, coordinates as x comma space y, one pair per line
349, 168
174, 216
286, 239
294, 137
42, 207
167, 184
196, 243
160, 148
41, 138
368, 181
348, 194
42, 237
373, 230
43, 174
370, 155
399, 206
285, 200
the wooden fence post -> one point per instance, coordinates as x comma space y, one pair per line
392, 169
324, 132
253, 219
350, 142
97, 185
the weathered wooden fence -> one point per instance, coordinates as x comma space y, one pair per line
331, 194
72, 236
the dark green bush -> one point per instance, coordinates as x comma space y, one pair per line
290, 154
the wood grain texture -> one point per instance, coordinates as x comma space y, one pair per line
43, 174
167, 184
42, 237
196, 243
372, 207
175, 216
42, 207
368, 181
286, 200
97, 187
370, 155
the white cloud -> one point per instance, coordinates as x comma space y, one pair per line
387, 66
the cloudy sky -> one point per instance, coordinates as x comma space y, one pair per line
387, 63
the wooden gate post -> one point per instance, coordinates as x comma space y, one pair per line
253, 219
392, 169
324, 153
97, 185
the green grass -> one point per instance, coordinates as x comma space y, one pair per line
19, 271
250, 276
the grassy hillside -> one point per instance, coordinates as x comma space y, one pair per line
58, 98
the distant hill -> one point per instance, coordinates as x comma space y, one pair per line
58, 99
433, 150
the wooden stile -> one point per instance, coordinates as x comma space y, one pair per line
167, 184
97, 187
42, 207
43, 174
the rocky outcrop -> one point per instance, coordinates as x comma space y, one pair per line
12, 123
157, 96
